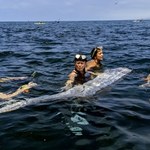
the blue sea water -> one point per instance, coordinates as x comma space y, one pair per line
116, 118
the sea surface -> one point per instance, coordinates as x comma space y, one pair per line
115, 118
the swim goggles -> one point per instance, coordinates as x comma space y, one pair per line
80, 57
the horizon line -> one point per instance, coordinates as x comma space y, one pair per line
70, 20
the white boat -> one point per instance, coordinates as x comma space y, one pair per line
39, 23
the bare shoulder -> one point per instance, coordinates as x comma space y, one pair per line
90, 64
72, 74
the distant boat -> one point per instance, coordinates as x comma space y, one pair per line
39, 23
137, 20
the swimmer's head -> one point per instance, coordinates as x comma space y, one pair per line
95, 51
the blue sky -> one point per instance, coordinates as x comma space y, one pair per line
73, 10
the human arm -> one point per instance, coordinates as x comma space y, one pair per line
12, 78
90, 65
20, 90
71, 79
69, 83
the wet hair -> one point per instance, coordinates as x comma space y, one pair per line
95, 50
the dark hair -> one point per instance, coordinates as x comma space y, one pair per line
94, 51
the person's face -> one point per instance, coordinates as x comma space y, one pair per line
80, 65
99, 55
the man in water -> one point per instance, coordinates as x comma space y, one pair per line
77, 76
95, 65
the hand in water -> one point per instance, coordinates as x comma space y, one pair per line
25, 88
67, 86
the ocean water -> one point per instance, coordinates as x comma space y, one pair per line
116, 118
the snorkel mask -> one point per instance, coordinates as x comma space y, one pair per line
79, 57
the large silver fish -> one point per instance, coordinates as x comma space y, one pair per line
89, 88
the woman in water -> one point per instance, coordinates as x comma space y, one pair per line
95, 65
77, 76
